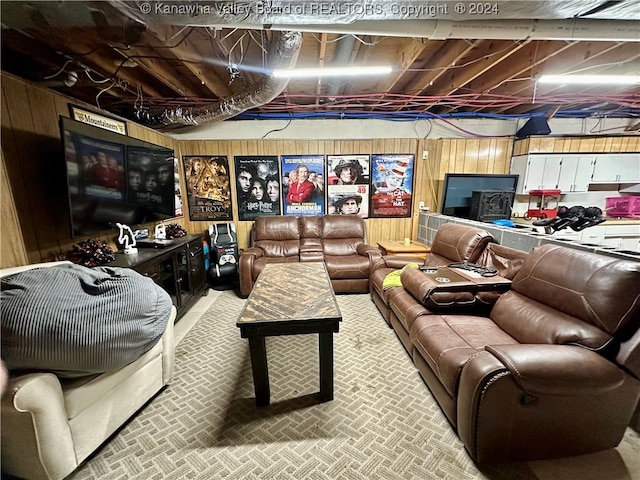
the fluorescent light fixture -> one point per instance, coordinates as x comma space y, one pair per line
590, 79
330, 72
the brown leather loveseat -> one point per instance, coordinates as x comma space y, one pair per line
337, 240
551, 370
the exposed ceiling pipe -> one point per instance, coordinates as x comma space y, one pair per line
341, 58
282, 53
404, 18
573, 29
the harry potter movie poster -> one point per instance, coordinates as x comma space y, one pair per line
257, 186
392, 185
300, 192
150, 177
208, 189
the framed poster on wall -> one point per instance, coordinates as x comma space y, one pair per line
348, 178
392, 185
177, 190
257, 186
300, 193
208, 189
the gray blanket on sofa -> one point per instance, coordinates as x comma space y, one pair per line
73, 320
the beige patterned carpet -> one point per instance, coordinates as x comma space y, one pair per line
382, 424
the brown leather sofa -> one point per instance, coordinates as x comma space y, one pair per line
551, 370
452, 243
337, 240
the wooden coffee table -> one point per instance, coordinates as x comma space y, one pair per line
290, 299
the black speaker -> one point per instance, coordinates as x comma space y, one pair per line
534, 126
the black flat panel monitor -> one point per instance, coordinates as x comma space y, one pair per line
112, 178
459, 187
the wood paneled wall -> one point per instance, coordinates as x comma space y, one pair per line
580, 144
35, 225
34, 174
433, 159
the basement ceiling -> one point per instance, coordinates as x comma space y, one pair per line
176, 64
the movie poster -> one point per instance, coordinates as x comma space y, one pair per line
102, 165
257, 186
348, 184
302, 190
178, 205
150, 179
208, 189
392, 185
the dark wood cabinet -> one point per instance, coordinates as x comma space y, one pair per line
178, 268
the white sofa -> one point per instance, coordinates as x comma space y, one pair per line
50, 425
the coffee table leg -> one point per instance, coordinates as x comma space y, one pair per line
258, 351
326, 365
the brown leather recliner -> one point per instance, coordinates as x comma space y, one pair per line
346, 254
337, 240
273, 239
552, 371
452, 243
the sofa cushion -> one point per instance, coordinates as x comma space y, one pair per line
74, 320
341, 234
447, 342
310, 231
277, 236
376, 281
457, 243
563, 295
347, 266
530, 321
406, 308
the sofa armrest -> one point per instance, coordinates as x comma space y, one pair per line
551, 369
254, 252
368, 251
245, 269
513, 398
168, 348
34, 415
23, 268
394, 261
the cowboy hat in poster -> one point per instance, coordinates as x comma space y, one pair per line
348, 184
392, 185
208, 190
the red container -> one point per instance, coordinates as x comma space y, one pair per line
628, 207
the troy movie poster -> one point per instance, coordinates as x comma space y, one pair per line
208, 189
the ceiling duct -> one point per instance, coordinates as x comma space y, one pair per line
547, 20
573, 29
402, 18
341, 58
282, 53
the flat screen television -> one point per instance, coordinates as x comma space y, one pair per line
113, 178
458, 191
